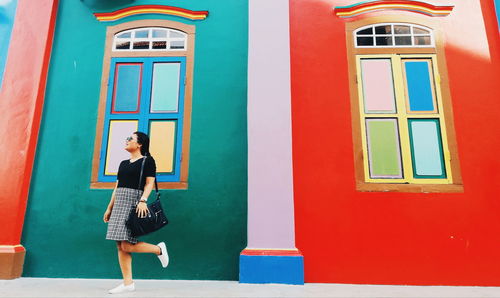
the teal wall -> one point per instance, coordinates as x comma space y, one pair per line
7, 15
64, 233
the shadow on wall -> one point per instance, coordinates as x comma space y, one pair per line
106, 4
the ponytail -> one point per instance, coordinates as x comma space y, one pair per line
143, 139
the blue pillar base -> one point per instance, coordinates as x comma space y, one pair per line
265, 268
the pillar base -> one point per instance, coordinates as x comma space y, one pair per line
260, 266
11, 261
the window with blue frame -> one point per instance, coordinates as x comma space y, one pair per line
145, 91
144, 94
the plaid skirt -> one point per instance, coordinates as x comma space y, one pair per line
125, 201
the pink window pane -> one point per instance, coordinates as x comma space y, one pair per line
378, 86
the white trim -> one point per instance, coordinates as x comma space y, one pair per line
270, 167
373, 35
150, 39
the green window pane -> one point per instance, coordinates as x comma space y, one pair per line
384, 153
165, 90
426, 148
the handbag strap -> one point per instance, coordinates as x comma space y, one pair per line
140, 180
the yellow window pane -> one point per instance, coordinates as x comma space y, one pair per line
162, 146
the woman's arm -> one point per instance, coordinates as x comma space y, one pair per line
150, 182
107, 213
112, 201
142, 208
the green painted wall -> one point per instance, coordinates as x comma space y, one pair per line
64, 233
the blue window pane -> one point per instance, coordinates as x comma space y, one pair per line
127, 87
419, 86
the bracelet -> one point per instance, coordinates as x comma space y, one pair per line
143, 200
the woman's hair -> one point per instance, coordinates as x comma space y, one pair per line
143, 139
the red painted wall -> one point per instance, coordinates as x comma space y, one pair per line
21, 105
348, 236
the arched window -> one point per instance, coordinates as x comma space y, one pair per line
150, 39
402, 118
146, 86
394, 35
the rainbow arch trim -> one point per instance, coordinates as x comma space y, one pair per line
406, 5
151, 9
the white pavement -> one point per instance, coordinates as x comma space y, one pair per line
58, 287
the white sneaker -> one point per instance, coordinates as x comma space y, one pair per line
164, 254
122, 289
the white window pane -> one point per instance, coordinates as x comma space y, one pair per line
174, 34
420, 31
159, 33
384, 40
386, 29
402, 40
366, 31
142, 34
141, 45
150, 39
115, 153
399, 29
177, 44
122, 45
158, 45
125, 35
422, 40
365, 41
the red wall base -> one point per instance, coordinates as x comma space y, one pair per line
11, 261
21, 103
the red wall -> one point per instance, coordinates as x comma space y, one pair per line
348, 236
21, 104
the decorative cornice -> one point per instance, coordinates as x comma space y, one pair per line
406, 5
151, 9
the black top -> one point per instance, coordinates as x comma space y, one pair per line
128, 172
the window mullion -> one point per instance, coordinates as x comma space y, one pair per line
146, 95
402, 118
442, 122
362, 118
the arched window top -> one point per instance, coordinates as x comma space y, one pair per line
150, 39
393, 35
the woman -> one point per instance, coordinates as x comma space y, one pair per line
124, 199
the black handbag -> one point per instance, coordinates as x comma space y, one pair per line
154, 220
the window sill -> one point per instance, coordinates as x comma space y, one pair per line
415, 188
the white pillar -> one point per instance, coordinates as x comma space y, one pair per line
270, 255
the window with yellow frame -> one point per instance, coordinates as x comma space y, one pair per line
403, 130
402, 125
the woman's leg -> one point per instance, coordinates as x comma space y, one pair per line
125, 260
140, 247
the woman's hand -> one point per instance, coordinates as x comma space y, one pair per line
106, 216
142, 209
